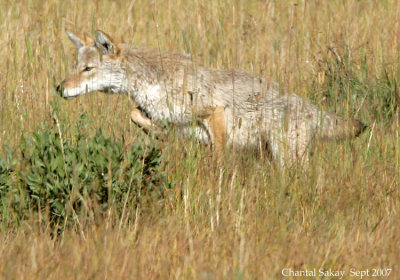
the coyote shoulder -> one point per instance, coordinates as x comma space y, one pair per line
227, 106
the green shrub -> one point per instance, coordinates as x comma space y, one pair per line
76, 177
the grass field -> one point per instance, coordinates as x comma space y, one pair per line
243, 218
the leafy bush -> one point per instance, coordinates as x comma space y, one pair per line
76, 177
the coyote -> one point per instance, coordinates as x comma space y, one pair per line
218, 107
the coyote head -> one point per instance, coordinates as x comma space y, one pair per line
98, 67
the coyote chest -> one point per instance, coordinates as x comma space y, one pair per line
156, 102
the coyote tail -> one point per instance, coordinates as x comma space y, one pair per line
336, 127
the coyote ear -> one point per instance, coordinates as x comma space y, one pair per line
79, 40
104, 43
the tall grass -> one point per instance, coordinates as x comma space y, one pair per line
239, 218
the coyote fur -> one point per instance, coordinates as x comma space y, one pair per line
227, 107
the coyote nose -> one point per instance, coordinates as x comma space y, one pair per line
60, 89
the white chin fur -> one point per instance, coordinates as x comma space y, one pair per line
71, 93
83, 89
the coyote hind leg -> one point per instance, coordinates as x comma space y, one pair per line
299, 142
291, 147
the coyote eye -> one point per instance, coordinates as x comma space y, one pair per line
87, 68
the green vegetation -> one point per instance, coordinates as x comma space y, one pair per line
76, 178
85, 194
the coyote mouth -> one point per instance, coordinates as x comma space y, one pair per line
64, 93
60, 91
69, 97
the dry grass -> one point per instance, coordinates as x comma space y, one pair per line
242, 219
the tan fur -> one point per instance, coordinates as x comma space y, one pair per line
216, 122
227, 106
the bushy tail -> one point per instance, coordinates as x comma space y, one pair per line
336, 127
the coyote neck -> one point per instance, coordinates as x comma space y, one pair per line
158, 91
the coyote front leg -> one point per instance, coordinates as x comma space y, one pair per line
145, 123
215, 123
